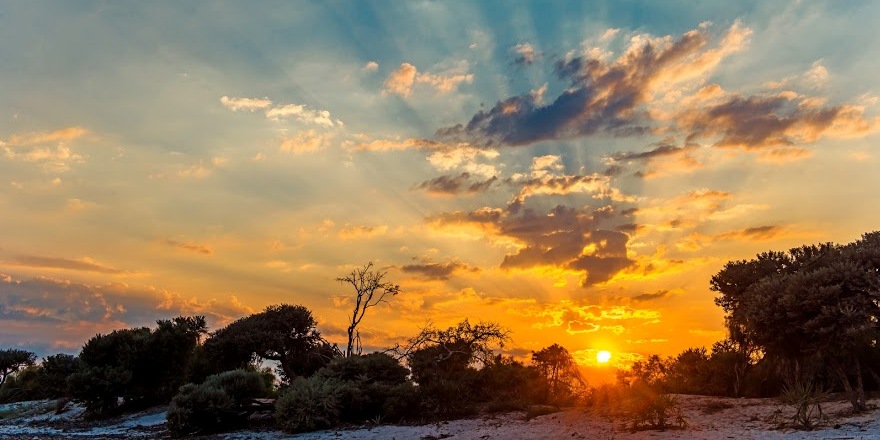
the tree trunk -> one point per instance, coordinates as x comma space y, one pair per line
856, 396
349, 348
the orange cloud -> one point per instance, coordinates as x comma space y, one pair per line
190, 246
61, 135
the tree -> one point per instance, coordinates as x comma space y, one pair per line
445, 364
283, 333
140, 365
12, 360
370, 290
560, 370
814, 307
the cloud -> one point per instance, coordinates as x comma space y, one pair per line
362, 232
657, 85
661, 149
524, 54
371, 66
652, 296
603, 97
565, 237
696, 241
306, 141
301, 113
398, 144
82, 264
438, 271
247, 104
771, 121
190, 247
60, 135
441, 155
402, 80
588, 318
68, 313
456, 184
31, 147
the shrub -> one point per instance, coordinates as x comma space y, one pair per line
365, 383
647, 409
199, 408
806, 398
221, 403
308, 405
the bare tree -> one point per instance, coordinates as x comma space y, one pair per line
370, 290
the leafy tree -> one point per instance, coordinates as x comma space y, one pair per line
139, 365
650, 372
445, 364
55, 370
370, 290
12, 360
283, 333
559, 369
815, 307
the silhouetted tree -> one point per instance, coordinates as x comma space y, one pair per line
283, 333
814, 305
12, 360
141, 366
55, 370
558, 367
650, 372
445, 362
370, 290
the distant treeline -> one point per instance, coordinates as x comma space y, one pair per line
810, 315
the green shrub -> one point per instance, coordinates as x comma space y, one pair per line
200, 408
309, 405
221, 403
364, 385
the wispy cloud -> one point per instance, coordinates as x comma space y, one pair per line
248, 104
437, 271
402, 80
190, 246
456, 184
82, 264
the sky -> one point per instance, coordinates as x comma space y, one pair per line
574, 171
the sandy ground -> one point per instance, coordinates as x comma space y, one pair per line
708, 418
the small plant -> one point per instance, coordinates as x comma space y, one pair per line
806, 398
647, 409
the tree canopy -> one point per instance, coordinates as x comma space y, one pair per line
283, 333
815, 306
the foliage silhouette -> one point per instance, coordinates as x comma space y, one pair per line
283, 333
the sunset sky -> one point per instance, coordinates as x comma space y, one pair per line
575, 171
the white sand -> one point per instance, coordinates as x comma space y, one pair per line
708, 418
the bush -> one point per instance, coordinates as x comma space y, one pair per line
365, 383
647, 409
23, 385
221, 403
806, 398
309, 405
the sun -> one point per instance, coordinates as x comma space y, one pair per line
603, 356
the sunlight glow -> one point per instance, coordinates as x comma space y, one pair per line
603, 356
